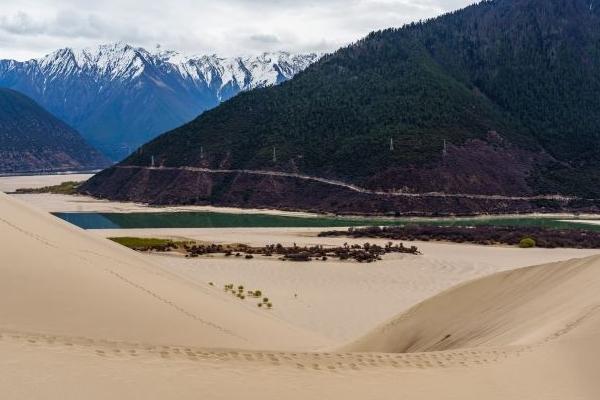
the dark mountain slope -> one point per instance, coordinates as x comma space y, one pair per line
511, 86
31, 139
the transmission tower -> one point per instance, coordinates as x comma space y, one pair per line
391, 144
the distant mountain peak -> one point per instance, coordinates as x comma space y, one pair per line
120, 96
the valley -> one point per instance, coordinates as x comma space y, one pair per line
412, 213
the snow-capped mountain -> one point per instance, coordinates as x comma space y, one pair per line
119, 96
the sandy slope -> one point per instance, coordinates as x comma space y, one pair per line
58, 279
522, 307
81, 317
342, 300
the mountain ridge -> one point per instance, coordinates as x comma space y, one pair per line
493, 99
33, 140
119, 96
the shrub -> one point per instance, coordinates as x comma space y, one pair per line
527, 243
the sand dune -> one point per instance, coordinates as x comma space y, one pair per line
81, 317
336, 299
522, 307
58, 279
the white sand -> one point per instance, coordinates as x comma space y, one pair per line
12, 183
59, 280
583, 221
81, 317
525, 307
340, 300
77, 203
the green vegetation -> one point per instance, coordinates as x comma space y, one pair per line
137, 243
69, 187
527, 243
239, 293
514, 74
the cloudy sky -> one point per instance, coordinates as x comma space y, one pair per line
32, 28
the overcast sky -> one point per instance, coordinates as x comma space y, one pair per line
32, 28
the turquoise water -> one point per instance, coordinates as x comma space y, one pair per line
223, 220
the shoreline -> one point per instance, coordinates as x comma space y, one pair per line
83, 203
50, 173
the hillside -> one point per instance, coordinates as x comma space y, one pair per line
32, 140
119, 96
498, 99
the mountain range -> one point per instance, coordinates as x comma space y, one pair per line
492, 108
119, 96
33, 140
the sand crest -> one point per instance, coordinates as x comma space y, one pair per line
527, 306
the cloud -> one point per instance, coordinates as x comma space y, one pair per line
20, 24
31, 28
265, 38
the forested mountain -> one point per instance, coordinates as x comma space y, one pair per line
500, 98
119, 96
33, 140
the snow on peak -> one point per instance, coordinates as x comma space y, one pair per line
121, 61
245, 72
